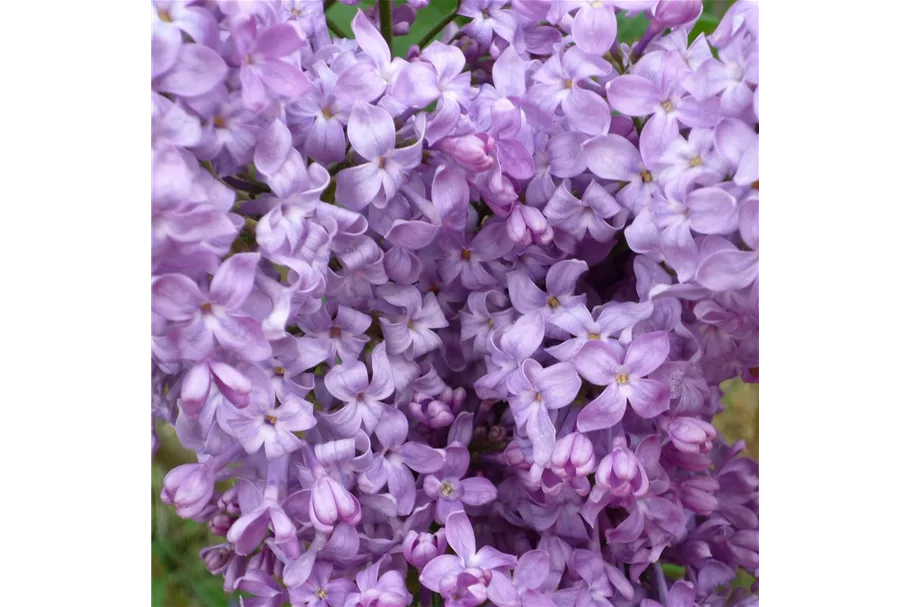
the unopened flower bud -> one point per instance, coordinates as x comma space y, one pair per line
421, 548
470, 151
217, 557
330, 503
671, 13
574, 455
691, 435
514, 456
698, 494
189, 488
228, 502
220, 523
621, 473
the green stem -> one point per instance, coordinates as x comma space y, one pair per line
439, 26
385, 7
327, 5
336, 29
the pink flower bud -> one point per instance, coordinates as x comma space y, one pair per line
470, 151
220, 524
189, 488
698, 494
691, 435
217, 557
621, 473
330, 503
671, 13
421, 548
573, 456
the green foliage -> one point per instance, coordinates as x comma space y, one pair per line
427, 18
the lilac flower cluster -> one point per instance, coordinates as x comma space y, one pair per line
480, 298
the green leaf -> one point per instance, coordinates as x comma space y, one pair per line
425, 20
158, 592
630, 29
673, 572
706, 25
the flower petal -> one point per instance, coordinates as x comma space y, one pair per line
358, 186
648, 397
604, 412
233, 281
371, 130
595, 29
646, 353
597, 362
478, 491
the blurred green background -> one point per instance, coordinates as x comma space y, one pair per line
179, 578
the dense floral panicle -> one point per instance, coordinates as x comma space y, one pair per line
400, 304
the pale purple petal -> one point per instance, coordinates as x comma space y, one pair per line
491, 558
392, 428
648, 397
272, 147
416, 85
604, 412
563, 275
284, 79
728, 270
712, 211
613, 157
532, 569
633, 95
176, 297
646, 353
371, 131
597, 362
233, 281
370, 40
421, 458
358, 186
524, 295
478, 491
460, 535
347, 380
197, 70
595, 29
382, 384
277, 41
540, 430
440, 567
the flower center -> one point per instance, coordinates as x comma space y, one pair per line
249, 60
270, 419
594, 336
206, 308
164, 16
667, 105
382, 162
622, 379
466, 254
755, 185
553, 302
321, 593
219, 122
335, 332
327, 113
490, 323
539, 397
446, 488
597, 4
569, 83
646, 176
696, 161
435, 289
280, 371
297, 13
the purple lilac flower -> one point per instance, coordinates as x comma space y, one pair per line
600, 363
434, 251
